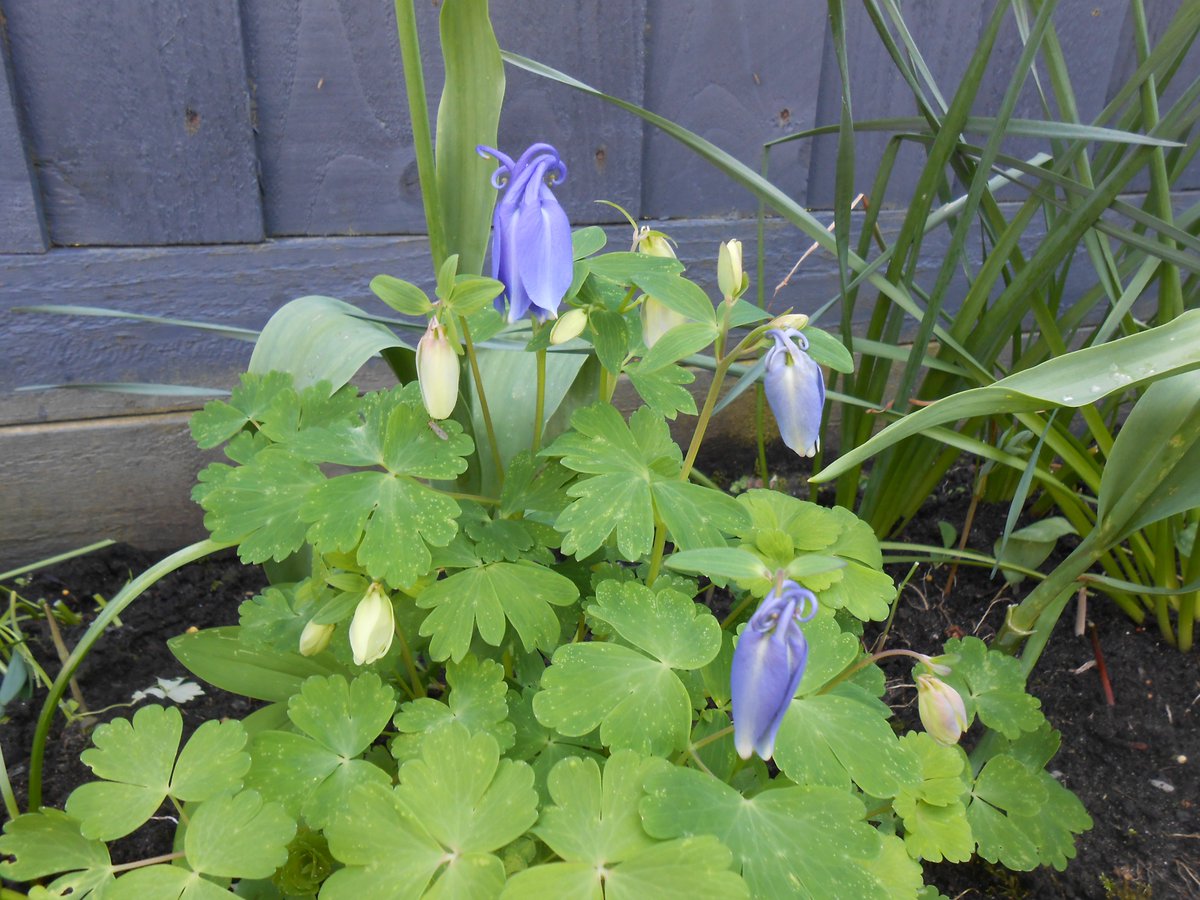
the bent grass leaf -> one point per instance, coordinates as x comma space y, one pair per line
49, 841
484, 598
314, 773
819, 843
637, 700
136, 760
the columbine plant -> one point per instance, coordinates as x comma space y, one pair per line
490, 657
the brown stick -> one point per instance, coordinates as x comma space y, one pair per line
1101, 669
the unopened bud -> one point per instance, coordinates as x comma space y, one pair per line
570, 325
941, 709
655, 243
314, 638
729, 270
790, 320
373, 626
657, 317
437, 371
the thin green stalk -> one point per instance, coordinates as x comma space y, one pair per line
418, 111
710, 400
656, 553
736, 611
418, 686
1187, 603
539, 404
115, 607
1165, 575
10, 799
477, 377
475, 498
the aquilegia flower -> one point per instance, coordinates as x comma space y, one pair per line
795, 390
941, 709
373, 626
531, 236
768, 664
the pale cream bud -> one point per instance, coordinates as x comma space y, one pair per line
729, 270
437, 371
570, 325
941, 709
314, 638
790, 320
373, 626
657, 320
652, 243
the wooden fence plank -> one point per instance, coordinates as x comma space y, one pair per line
335, 141
739, 74
22, 229
139, 119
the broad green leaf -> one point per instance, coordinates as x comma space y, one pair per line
828, 350
788, 842
136, 759
842, 737
249, 403
1073, 380
314, 773
212, 762
1029, 547
679, 294
695, 516
624, 267
497, 539
586, 241
48, 842
830, 652
219, 657
720, 562
610, 337
464, 795
1062, 816
476, 700
992, 685
596, 820
258, 505
383, 851
679, 343
472, 293
934, 812
402, 296
662, 390
1006, 786
483, 599
319, 339
238, 836
665, 624
468, 116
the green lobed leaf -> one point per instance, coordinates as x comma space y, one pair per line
610, 337
934, 811
680, 295
249, 403
787, 842
402, 296
665, 624
992, 685
679, 343
238, 836
842, 737
662, 389
476, 700
49, 841
483, 599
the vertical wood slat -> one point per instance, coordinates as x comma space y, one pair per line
335, 141
738, 74
139, 119
22, 228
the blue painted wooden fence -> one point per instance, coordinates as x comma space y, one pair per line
211, 159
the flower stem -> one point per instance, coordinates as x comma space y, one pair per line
418, 687
477, 377
539, 405
866, 661
149, 861
656, 554
710, 401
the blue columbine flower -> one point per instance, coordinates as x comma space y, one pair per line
795, 390
768, 664
531, 236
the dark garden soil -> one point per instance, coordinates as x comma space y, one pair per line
1133, 763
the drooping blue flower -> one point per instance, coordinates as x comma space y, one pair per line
768, 664
795, 389
531, 235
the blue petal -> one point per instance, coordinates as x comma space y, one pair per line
795, 389
543, 234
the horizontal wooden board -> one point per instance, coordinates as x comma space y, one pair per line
138, 118
21, 227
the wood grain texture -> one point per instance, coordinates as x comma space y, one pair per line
738, 73
22, 229
139, 120
334, 137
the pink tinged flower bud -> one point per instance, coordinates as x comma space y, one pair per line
437, 371
795, 389
768, 664
729, 270
569, 326
373, 626
941, 709
314, 638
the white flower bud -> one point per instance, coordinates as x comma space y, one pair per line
314, 638
570, 325
437, 371
373, 626
657, 317
729, 270
790, 320
652, 243
941, 709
